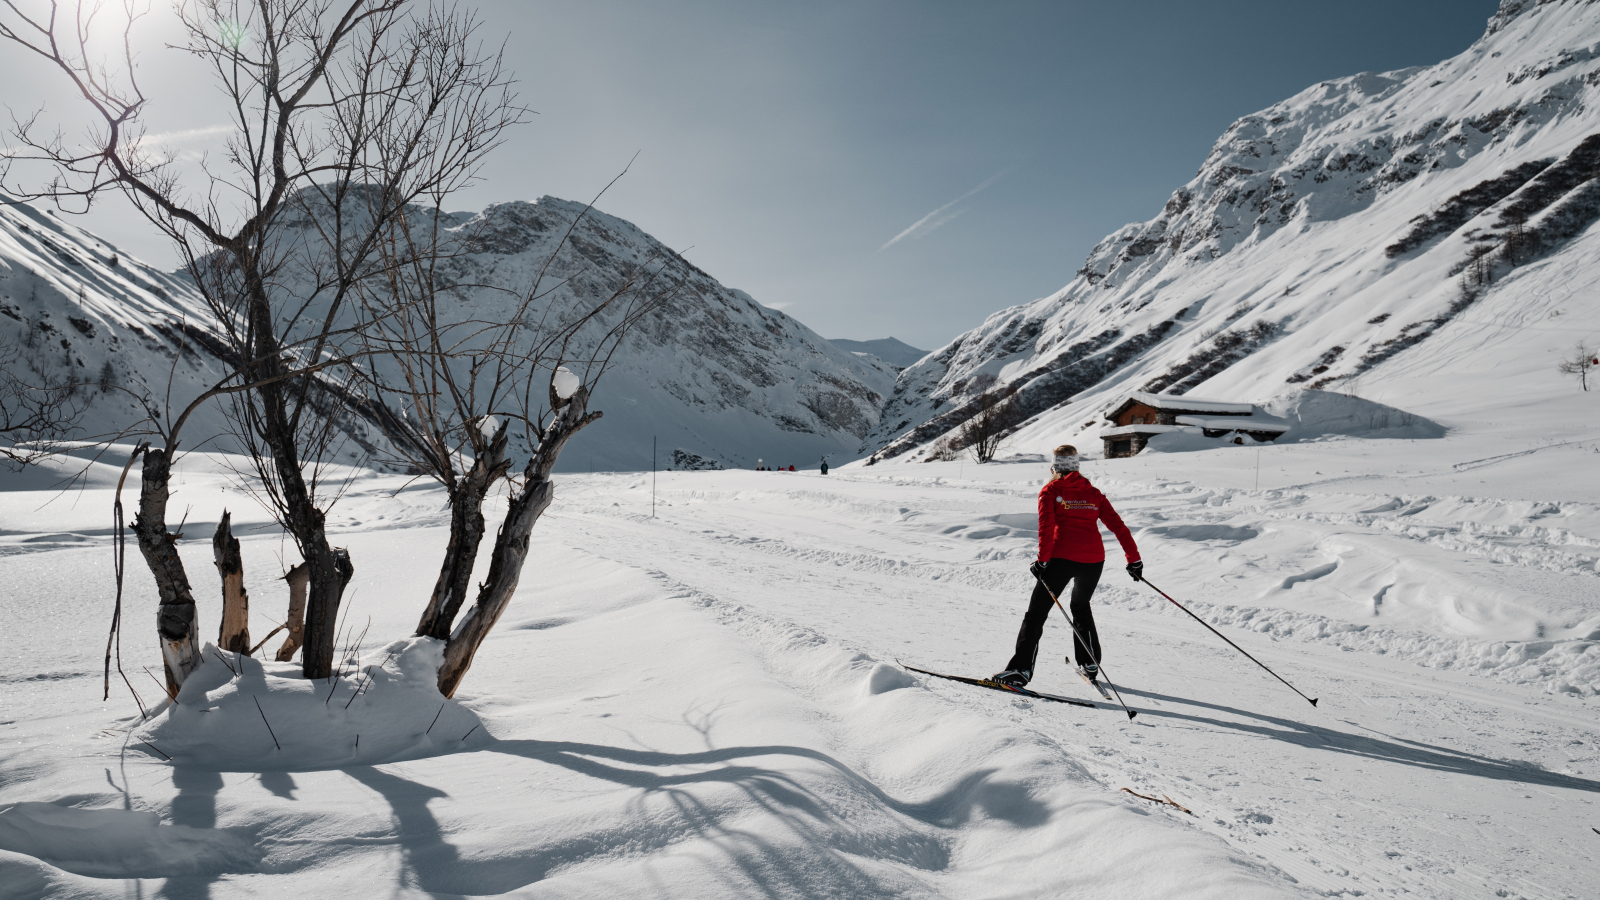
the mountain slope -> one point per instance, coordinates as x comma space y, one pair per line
82, 311
1332, 240
711, 375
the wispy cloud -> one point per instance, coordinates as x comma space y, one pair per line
942, 215
188, 134
163, 139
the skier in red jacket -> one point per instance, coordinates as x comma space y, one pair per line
1070, 549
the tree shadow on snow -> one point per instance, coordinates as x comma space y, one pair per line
195, 806
1385, 749
834, 832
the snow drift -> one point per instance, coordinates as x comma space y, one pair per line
246, 714
1318, 413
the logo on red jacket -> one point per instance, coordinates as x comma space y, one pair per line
1075, 504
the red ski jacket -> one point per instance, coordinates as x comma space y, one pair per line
1068, 508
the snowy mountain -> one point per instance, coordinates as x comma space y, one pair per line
82, 311
892, 351
1349, 238
713, 374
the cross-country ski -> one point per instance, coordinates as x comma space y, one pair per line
1093, 682
1000, 686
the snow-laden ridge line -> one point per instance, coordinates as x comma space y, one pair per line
1335, 239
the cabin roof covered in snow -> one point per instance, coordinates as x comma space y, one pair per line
1126, 430
1240, 423
1191, 404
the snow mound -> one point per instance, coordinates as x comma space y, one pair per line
123, 843
1203, 533
241, 714
885, 678
1316, 413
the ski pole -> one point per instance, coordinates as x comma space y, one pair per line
1230, 643
1085, 644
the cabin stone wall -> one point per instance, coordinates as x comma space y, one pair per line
1125, 446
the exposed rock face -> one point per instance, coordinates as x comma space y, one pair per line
1321, 238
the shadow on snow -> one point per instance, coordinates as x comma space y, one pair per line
1385, 748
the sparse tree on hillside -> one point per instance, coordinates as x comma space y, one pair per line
1579, 363
996, 415
37, 409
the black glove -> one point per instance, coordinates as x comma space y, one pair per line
1136, 571
1037, 569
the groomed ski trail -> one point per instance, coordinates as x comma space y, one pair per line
1331, 796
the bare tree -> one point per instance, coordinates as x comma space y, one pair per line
569, 395
343, 112
1579, 363
996, 415
463, 382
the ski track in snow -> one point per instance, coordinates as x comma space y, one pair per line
1423, 745
704, 703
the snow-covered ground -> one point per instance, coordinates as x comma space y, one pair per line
706, 703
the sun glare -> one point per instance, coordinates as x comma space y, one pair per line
231, 33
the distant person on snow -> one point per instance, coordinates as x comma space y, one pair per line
1070, 549
824, 466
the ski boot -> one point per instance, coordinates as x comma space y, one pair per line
1014, 677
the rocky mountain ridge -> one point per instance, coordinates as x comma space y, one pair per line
1322, 238
711, 373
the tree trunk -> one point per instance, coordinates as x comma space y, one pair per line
330, 572
235, 634
511, 543
466, 535
330, 567
298, 578
177, 621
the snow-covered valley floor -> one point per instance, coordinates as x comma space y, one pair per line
706, 703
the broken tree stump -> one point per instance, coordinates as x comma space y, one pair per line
235, 634
299, 577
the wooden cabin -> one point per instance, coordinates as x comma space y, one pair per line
1143, 416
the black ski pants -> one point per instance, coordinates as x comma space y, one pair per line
1057, 572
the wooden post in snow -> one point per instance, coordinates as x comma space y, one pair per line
235, 634
298, 578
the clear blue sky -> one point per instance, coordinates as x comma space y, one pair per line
787, 144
